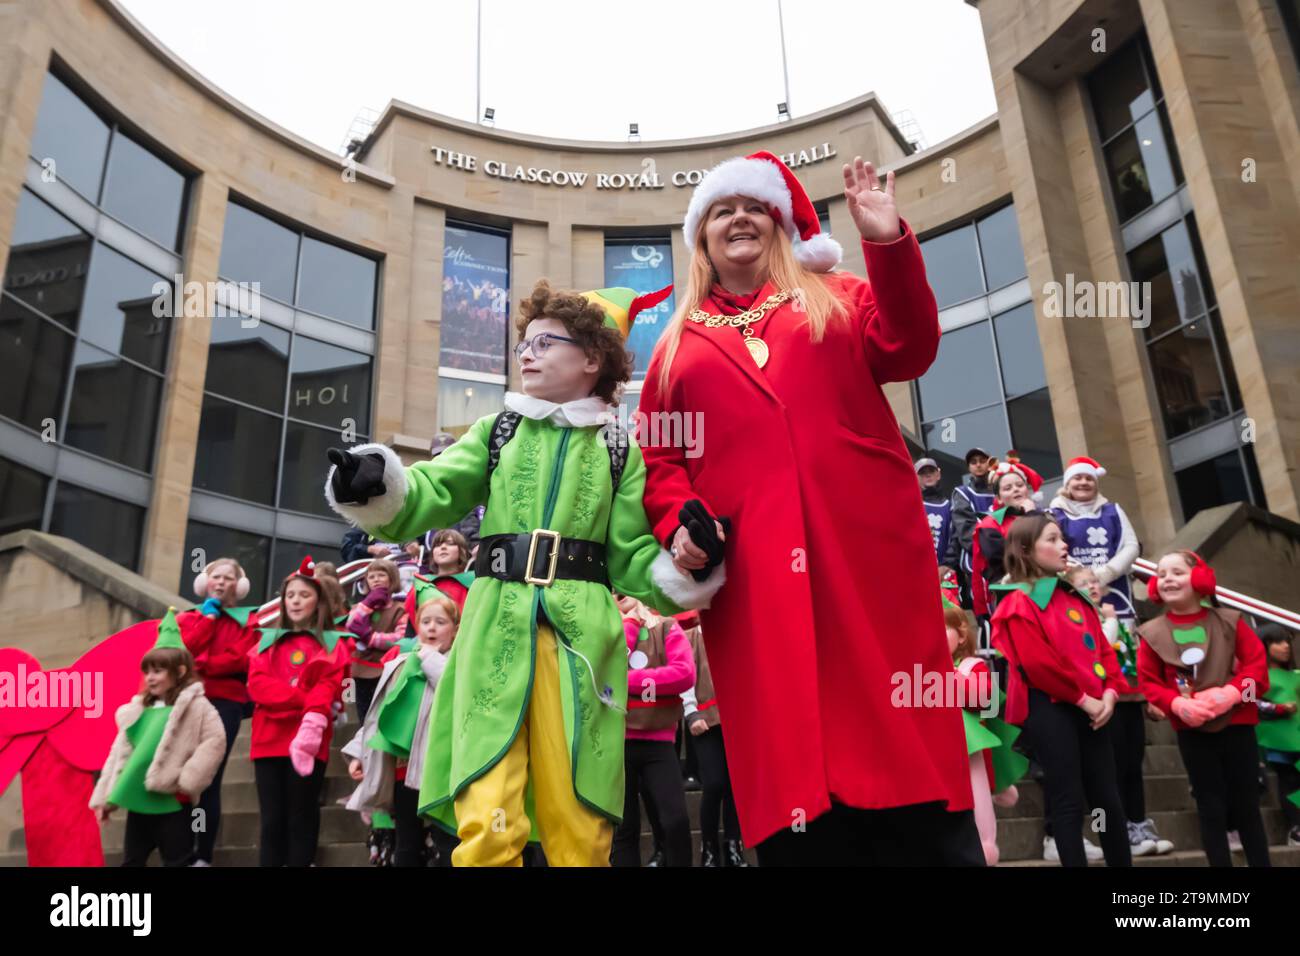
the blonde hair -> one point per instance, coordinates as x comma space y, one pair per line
818, 300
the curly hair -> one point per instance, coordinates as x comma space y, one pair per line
585, 322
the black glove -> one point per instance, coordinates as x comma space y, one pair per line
357, 478
697, 521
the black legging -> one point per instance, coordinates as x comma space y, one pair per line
290, 810
409, 849
365, 690
1078, 762
1128, 737
652, 768
1223, 769
711, 758
919, 834
205, 841
169, 833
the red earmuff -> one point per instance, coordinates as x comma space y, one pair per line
1203, 580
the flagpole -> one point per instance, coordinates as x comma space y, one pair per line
785, 69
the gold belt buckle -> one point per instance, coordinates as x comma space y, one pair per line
532, 557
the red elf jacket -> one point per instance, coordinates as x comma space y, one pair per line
1051, 637
291, 673
220, 648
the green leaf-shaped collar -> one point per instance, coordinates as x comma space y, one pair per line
270, 635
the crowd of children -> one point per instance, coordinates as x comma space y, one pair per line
1083, 678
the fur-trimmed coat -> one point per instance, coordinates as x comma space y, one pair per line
188, 755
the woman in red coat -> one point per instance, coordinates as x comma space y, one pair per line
831, 578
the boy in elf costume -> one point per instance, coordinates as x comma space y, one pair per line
528, 718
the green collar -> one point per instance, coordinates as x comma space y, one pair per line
465, 577
1040, 592
240, 614
270, 635
1000, 514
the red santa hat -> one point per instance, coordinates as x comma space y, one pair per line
1084, 466
764, 177
1032, 478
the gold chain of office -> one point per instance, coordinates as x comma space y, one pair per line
757, 347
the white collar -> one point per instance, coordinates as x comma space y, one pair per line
579, 413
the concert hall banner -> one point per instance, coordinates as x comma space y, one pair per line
475, 300
645, 267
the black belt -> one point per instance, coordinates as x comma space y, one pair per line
541, 558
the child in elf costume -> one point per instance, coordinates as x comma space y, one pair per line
169, 745
1205, 668
388, 751
295, 677
1278, 732
448, 559
528, 719
376, 623
1062, 687
219, 634
994, 766
1128, 727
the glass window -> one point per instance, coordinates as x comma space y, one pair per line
953, 267
1169, 263
643, 267
248, 364
22, 497
1211, 483
289, 555
237, 452
985, 427
255, 249
1128, 175
1225, 361
305, 465
144, 192
461, 403
337, 283
35, 354
1033, 432
963, 374
329, 385
1019, 353
1004, 259
118, 314
1120, 93
114, 408
69, 133
47, 261
1187, 379
475, 300
105, 525
252, 551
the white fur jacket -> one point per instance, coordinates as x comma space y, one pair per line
192, 747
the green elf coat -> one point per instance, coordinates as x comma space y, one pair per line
554, 473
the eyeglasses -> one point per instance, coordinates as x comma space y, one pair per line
540, 344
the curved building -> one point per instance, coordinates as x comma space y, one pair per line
197, 302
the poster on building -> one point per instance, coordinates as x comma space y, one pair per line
475, 300
645, 267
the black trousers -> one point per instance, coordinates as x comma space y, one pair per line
365, 689
290, 810
921, 834
1288, 781
169, 833
1078, 764
652, 768
716, 799
205, 841
1223, 769
409, 848
1128, 738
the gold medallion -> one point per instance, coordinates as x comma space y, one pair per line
758, 349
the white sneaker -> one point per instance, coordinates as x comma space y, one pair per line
200, 863
1052, 855
1139, 843
1148, 829
1293, 837
1234, 840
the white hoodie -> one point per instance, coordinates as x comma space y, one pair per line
1122, 563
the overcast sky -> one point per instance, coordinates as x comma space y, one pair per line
582, 69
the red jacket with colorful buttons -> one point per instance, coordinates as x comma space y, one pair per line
1052, 639
292, 673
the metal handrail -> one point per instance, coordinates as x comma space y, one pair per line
348, 574
1237, 600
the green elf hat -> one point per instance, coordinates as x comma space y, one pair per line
422, 590
169, 633
622, 305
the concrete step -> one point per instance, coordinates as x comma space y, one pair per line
1278, 856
